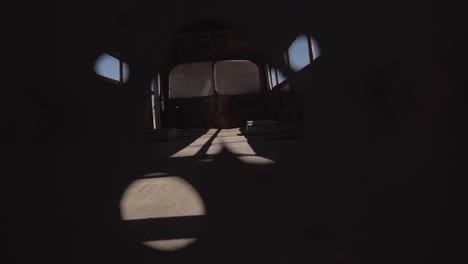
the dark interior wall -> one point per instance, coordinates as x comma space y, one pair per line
385, 116
283, 104
209, 41
214, 111
192, 112
216, 49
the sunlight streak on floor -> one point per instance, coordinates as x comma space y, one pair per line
228, 138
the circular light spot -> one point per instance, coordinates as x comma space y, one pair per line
164, 211
170, 244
